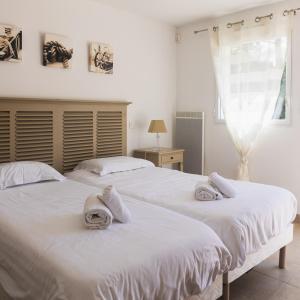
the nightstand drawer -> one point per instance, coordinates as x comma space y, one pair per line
171, 158
161, 156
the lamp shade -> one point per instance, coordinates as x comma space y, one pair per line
157, 126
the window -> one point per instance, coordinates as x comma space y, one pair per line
281, 112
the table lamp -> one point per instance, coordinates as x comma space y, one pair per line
157, 126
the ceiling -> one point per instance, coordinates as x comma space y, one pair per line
179, 12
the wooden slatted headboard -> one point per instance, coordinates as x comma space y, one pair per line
61, 132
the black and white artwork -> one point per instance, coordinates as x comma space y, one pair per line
10, 43
101, 58
57, 51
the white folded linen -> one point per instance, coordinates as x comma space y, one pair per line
223, 185
206, 192
96, 214
112, 199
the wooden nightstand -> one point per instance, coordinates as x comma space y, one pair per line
161, 156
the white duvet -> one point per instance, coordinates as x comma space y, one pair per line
244, 223
47, 253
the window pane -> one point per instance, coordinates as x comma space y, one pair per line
280, 109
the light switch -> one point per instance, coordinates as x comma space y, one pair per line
130, 124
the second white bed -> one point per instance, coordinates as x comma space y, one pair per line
244, 223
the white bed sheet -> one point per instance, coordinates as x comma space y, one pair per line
244, 223
47, 253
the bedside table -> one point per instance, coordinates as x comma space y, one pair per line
161, 156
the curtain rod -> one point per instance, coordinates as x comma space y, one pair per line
257, 20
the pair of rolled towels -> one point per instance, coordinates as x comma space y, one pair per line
100, 210
216, 188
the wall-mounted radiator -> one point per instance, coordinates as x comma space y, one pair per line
189, 135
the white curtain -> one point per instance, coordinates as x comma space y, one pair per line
249, 61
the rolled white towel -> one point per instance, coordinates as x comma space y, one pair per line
96, 214
223, 185
206, 192
112, 199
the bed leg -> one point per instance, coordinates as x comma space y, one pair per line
282, 255
226, 287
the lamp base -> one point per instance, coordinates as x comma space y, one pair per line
157, 141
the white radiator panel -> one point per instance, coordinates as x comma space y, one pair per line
189, 135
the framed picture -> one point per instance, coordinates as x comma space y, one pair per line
101, 58
57, 51
10, 43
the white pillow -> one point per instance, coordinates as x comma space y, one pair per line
24, 172
107, 165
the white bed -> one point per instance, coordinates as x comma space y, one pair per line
47, 253
245, 224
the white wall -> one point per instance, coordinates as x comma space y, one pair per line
144, 51
276, 157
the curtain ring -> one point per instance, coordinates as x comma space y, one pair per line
229, 25
286, 13
258, 19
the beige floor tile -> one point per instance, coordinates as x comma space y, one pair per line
254, 286
286, 292
267, 282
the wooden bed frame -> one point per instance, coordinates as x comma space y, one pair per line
61, 133
65, 132
276, 244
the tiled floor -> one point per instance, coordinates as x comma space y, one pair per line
268, 282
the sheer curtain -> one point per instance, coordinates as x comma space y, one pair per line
249, 63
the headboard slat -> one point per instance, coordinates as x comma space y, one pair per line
4, 136
109, 133
77, 125
37, 124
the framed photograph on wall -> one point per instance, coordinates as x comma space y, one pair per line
101, 58
57, 51
10, 43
